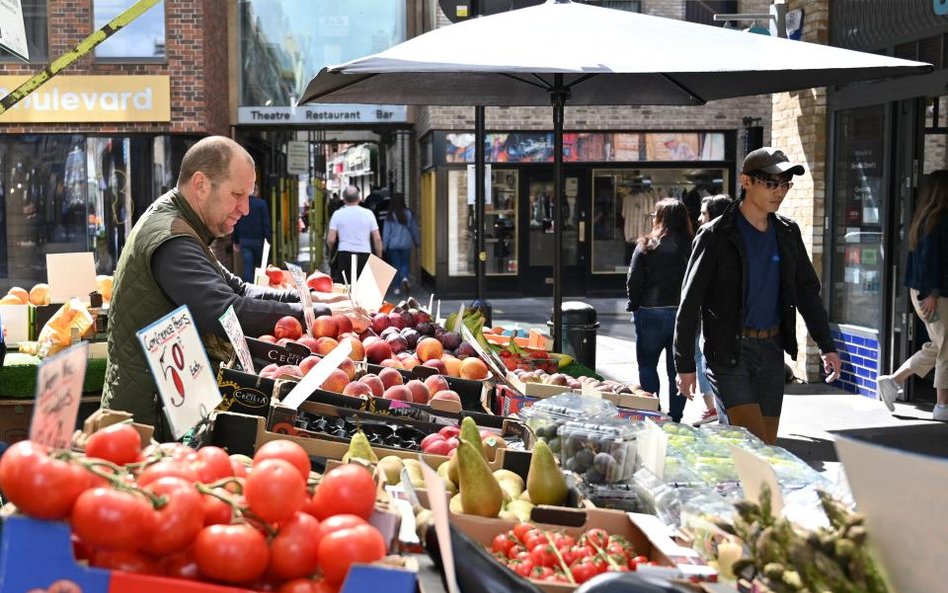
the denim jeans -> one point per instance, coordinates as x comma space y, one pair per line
655, 332
399, 259
251, 252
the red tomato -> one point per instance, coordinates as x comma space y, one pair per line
521, 529
345, 489
340, 549
543, 555
339, 522
515, 550
113, 519
179, 520
136, 562
308, 586
293, 552
584, 569
231, 553
166, 467
618, 553
534, 538
597, 538
275, 490
178, 451
561, 539
182, 565
213, 463
118, 443
39, 486
577, 552
287, 451
521, 566
540, 573
216, 511
502, 543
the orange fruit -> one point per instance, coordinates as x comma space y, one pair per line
21, 294
39, 294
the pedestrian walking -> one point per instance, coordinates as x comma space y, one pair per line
926, 276
748, 275
653, 285
353, 230
250, 233
399, 237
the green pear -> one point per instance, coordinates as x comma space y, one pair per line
415, 474
480, 493
510, 482
545, 482
472, 434
455, 505
359, 448
508, 516
444, 473
391, 466
521, 509
525, 495
452, 469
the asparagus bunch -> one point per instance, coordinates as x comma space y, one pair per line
793, 560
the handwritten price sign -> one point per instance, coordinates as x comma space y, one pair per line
236, 335
299, 279
58, 389
186, 382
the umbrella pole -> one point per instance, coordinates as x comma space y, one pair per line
479, 200
558, 95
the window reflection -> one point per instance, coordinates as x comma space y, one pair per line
143, 38
500, 219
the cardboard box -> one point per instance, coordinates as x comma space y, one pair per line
16, 415
37, 556
534, 339
264, 353
102, 417
646, 533
243, 392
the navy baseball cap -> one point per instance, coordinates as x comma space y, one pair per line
770, 160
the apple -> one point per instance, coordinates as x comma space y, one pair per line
288, 327
391, 376
419, 391
267, 338
397, 392
436, 383
396, 320
377, 351
325, 327
325, 345
374, 383
309, 342
336, 381
308, 363
474, 368
436, 363
380, 322
319, 282
349, 368
358, 350
449, 431
343, 324
425, 442
437, 447
357, 389
446, 395
428, 348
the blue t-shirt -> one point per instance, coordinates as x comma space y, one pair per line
762, 290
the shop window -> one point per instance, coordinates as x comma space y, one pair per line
37, 38
623, 201
141, 40
703, 12
858, 212
500, 214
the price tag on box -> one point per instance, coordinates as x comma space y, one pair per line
236, 335
58, 389
186, 382
299, 279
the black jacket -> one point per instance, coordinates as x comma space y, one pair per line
654, 277
714, 288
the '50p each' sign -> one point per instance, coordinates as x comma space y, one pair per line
186, 382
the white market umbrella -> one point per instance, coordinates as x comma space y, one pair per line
560, 52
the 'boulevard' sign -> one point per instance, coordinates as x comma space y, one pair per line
323, 114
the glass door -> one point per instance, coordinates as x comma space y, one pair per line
537, 204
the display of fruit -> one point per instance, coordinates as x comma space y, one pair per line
39, 294
576, 384
601, 452
169, 510
557, 557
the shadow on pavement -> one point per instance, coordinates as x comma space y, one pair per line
927, 439
813, 450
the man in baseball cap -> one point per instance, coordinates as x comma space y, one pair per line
755, 258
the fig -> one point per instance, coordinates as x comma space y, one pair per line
450, 340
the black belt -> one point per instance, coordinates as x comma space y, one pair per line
761, 334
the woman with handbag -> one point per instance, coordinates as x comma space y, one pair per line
399, 236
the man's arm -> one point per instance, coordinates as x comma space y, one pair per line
331, 238
253, 291
807, 287
377, 243
698, 275
186, 276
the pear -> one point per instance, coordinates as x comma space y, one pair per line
524, 496
508, 516
452, 469
491, 445
480, 493
391, 466
359, 448
520, 509
472, 434
444, 473
455, 505
545, 482
415, 473
510, 482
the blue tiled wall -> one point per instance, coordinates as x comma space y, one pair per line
860, 355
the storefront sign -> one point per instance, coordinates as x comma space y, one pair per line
323, 114
58, 390
297, 158
72, 99
186, 382
12, 31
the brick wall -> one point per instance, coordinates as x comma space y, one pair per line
197, 64
800, 129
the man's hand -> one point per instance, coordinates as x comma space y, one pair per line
832, 365
928, 305
686, 384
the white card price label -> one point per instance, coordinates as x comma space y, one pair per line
236, 335
58, 390
299, 279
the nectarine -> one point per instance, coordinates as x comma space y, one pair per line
374, 383
391, 376
428, 348
325, 327
358, 351
325, 345
419, 391
474, 368
342, 323
452, 365
377, 351
336, 381
288, 327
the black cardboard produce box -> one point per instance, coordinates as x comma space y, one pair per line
264, 353
244, 393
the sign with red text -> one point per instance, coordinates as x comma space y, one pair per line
58, 389
186, 381
299, 279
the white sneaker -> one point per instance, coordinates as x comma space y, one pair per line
887, 391
940, 413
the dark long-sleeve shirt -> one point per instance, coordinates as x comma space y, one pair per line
654, 277
256, 225
187, 276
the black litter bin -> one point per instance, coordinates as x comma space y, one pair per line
579, 331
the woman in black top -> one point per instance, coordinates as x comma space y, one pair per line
654, 287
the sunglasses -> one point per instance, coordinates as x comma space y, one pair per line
773, 184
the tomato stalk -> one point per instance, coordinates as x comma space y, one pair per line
601, 552
242, 512
116, 480
559, 558
223, 482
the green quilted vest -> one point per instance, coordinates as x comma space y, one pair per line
137, 301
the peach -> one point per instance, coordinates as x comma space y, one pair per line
357, 389
319, 282
436, 363
343, 325
474, 368
410, 362
359, 323
21, 294
358, 350
393, 363
336, 381
446, 395
39, 294
452, 365
391, 376
267, 371
325, 326
267, 338
282, 342
288, 371
377, 351
288, 327
436, 383
325, 345
308, 363
349, 368
398, 392
374, 383
309, 342
428, 348
419, 391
